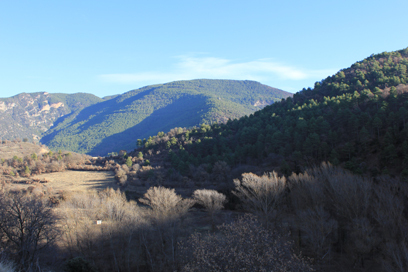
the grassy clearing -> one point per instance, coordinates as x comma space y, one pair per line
79, 181
67, 182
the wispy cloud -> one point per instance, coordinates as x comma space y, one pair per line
217, 68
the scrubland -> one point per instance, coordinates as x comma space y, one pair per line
322, 219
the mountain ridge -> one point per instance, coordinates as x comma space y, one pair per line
180, 103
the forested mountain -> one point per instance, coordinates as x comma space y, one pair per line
116, 123
356, 118
28, 115
348, 214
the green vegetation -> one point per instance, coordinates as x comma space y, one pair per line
74, 101
356, 118
346, 215
129, 162
116, 123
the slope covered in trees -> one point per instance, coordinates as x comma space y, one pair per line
116, 123
356, 118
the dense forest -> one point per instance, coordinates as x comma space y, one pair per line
356, 118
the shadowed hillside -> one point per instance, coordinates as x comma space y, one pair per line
117, 123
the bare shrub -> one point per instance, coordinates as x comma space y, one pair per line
136, 167
120, 176
56, 166
10, 171
212, 200
261, 195
241, 246
125, 168
115, 244
165, 203
39, 167
144, 172
73, 159
39, 190
123, 180
166, 214
306, 191
172, 132
132, 175
369, 217
347, 194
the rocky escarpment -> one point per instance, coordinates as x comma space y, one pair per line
29, 115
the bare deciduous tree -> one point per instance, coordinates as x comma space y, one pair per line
27, 225
319, 230
369, 217
261, 195
363, 238
165, 203
305, 191
389, 212
350, 194
212, 200
160, 240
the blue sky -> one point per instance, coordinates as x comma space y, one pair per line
110, 47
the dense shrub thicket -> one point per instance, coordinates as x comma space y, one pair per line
338, 219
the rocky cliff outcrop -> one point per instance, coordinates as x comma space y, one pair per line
28, 115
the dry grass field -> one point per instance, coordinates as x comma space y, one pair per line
20, 149
79, 181
68, 182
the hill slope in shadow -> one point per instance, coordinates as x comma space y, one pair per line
117, 123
